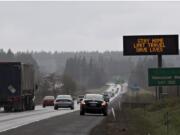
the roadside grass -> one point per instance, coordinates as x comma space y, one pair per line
145, 120
153, 119
139, 96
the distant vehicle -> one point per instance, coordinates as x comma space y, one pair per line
17, 86
80, 97
106, 96
48, 101
93, 103
117, 90
64, 101
112, 94
109, 93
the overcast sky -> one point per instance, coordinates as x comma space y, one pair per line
82, 26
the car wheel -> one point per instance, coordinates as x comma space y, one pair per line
72, 107
7, 109
105, 113
55, 107
82, 112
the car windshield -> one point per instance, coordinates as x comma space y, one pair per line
64, 97
93, 97
49, 97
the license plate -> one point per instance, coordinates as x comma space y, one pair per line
93, 105
61, 102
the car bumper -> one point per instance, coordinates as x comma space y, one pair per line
48, 104
94, 109
64, 105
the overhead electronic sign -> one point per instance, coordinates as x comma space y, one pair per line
150, 45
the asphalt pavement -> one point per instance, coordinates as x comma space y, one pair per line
16, 119
50, 122
68, 124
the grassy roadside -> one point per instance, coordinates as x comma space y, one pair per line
159, 118
139, 96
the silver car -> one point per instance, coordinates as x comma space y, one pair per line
64, 101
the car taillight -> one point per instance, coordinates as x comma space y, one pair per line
14, 99
103, 103
82, 102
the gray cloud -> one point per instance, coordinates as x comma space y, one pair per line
79, 26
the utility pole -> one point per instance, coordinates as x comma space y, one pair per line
160, 66
166, 122
178, 91
156, 92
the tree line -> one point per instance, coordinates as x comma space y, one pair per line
88, 74
85, 70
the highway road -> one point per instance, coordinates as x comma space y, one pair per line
68, 124
47, 121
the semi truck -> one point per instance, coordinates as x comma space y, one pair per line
17, 86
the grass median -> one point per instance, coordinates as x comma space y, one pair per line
159, 118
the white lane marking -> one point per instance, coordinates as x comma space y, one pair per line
14, 123
113, 112
13, 115
17, 122
24, 121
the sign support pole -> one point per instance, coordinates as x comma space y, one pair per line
156, 89
160, 66
178, 91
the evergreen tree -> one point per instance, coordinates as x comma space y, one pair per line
69, 85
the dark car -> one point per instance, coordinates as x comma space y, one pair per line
64, 101
93, 103
48, 101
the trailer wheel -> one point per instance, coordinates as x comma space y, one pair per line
6, 109
22, 106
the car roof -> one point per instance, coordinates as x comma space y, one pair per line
64, 96
93, 95
49, 97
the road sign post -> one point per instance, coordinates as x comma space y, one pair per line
156, 92
178, 90
160, 88
151, 45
